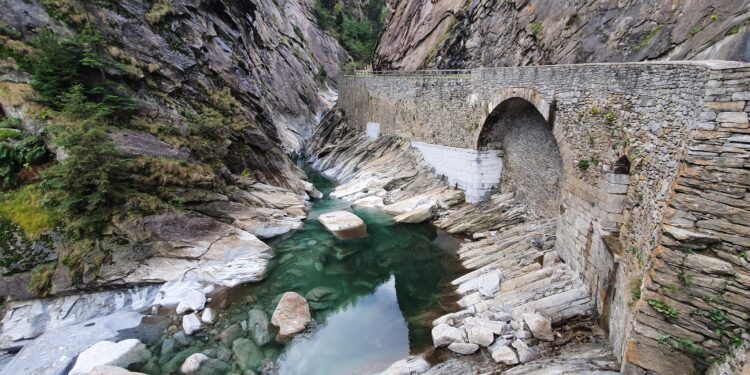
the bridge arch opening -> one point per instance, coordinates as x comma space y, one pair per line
532, 166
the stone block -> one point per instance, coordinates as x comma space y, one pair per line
732, 117
617, 178
725, 106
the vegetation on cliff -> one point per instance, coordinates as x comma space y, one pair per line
359, 35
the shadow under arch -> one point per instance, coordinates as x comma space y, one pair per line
532, 163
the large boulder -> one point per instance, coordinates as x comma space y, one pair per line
343, 224
112, 370
292, 316
108, 353
480, 335
191, 323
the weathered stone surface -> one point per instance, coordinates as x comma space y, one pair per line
418, 215
503, 354
343, 224
708, 264
193, 300
463, 348
291, 316
443, 335
480, 335
108, 353
540, 326
247, 354
407, 366
525, 354
112, 370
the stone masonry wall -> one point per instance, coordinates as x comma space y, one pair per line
610, 222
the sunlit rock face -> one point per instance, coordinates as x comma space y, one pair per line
467, 34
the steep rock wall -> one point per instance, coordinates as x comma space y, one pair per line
491, 33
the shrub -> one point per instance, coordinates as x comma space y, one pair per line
662, 307
583, 164
536, 28
158, 11
359, 37
610, 117
733, 30
10, 123
9, 134
17, 154
24, 208
40, 281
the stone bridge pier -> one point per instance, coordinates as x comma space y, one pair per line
646, 167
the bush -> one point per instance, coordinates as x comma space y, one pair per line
40, 282
583, 165
24, 208
61, 64
18, 153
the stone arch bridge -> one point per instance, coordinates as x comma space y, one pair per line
647, 166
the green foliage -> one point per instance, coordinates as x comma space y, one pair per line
62, 63
24, 208
10, 123
88, 184
536, 28
595, 110
610, 117
714, 18
583, 164
717, 316
635, 293
733, 30
686, 345
158, 11
298, 32
40, 280
359, 37
17, 153
663, 308
683, 278
9, 134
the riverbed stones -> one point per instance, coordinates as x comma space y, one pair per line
247, 354
291, 316
191, 323
208, 316
443, 335
463, 348
193, 363
257, 325
540, 326
192, 300
108, 353
480, 335
343, 224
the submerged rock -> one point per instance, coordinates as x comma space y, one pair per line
343, 224
108, 353
292, 316
257, 325
247, 354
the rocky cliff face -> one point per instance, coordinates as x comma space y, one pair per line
492, 33
269, 62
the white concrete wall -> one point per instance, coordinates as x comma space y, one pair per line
474, 172
373, 130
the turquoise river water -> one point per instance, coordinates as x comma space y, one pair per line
372, 299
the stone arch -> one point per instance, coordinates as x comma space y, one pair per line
532, 164
530, 95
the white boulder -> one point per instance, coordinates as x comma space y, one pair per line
480, 335
108, 353
192, 300
191, 323
193, 363
208, 316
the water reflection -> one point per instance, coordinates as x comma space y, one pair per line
364, 337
